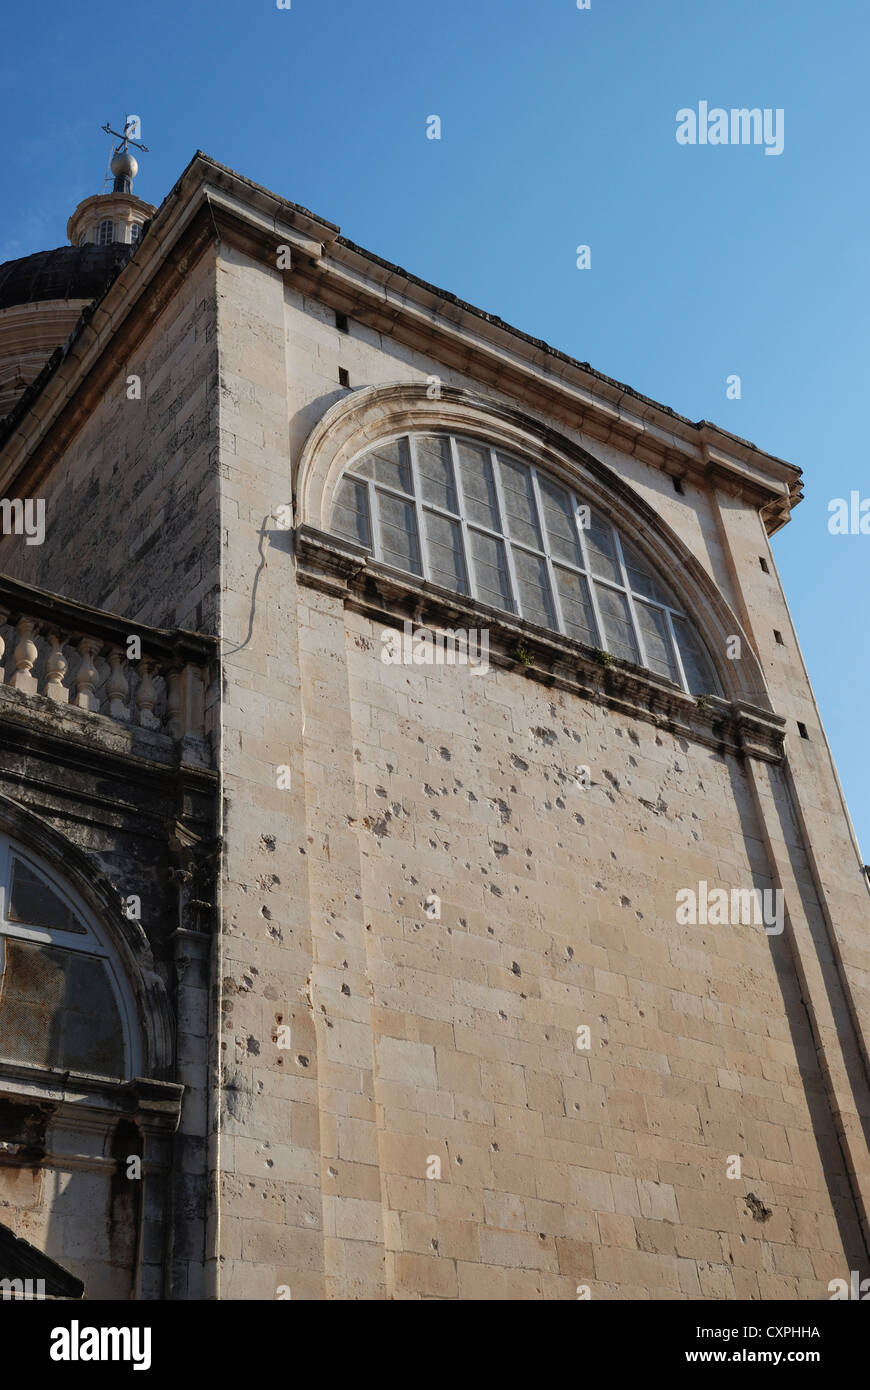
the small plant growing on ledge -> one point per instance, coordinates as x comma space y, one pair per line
701, 701
521, 653
603, 658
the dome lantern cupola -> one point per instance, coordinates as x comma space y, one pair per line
42, 295
104, 218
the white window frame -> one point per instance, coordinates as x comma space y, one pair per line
504, 538
91, 942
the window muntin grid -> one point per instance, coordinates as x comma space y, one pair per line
105, 232
478, 520
63, 1000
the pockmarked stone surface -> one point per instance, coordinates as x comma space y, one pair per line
491, 969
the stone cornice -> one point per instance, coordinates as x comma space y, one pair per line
79, 739
388, 596
211, 201
93, 1102
546, 382
66, 614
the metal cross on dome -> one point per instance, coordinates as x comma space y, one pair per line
126, 139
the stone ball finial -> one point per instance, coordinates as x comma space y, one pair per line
124, 165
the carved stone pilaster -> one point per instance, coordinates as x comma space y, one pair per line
194, 872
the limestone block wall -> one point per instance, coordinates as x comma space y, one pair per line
131, 505
269, 1232
412, 1038
72, 1213
561, 1167
132, 526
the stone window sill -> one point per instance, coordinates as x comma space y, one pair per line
390, 596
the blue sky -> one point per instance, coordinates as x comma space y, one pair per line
558, 128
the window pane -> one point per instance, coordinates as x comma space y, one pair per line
535, 601
599, 543
657, 641
57, 1008
699, 671
350, 512
475, 470
444, 544
490, 571
577, 607
389, 465
522, 522
641, 577
398, 531
559, 521
532, 517
617, 624
436, 471
31, 901
92, 1030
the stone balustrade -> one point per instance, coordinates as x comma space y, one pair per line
100, 663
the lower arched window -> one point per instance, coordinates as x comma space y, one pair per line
64, 1001
479, 521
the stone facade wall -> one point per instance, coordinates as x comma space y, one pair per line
559, 1166
68, 1190
270, 1172
131, 506
420, 903
132, 527
413, 1038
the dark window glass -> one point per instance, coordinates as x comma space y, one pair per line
58, 1009
33, 903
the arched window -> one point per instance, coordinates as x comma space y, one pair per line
482, 522
105, 232
63, 998
135, 233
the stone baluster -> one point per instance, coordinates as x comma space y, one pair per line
146, 694
55, 670
25, 654
86, 676
117, 687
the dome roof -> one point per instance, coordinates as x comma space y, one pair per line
70, 272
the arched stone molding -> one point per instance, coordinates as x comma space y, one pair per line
154, 1019
358, 421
